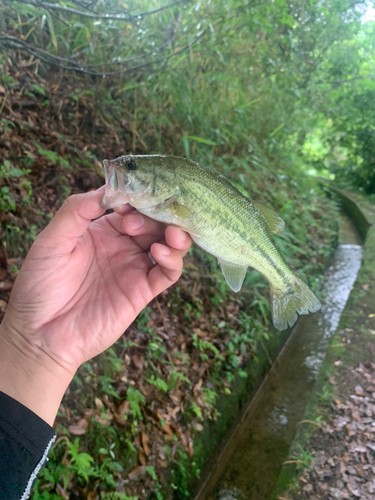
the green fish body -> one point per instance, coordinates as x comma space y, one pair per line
219, 218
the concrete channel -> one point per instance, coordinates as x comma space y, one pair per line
248, 465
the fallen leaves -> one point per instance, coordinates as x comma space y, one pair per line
136, 473
6, 285
79, 428
345, 468
146, 447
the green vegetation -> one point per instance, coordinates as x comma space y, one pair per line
263, 91
342, 141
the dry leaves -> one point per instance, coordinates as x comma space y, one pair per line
79, 428
136, 473
346, 469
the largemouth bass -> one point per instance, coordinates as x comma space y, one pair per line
219, 218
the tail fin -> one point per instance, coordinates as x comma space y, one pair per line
286, 303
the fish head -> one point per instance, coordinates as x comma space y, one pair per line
144, 181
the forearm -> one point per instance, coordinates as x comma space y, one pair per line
25, 440
29, 376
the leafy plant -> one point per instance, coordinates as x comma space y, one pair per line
81, 462
303, 458
134, 396
116, 496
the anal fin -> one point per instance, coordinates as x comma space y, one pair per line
233, 274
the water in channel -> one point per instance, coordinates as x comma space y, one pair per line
249, 464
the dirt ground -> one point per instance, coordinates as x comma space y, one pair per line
343, 449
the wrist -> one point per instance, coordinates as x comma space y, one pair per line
30, 376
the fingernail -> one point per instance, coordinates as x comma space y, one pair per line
136, 221
165, 250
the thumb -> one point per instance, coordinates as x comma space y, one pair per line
72, 220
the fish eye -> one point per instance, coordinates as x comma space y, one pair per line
130, 165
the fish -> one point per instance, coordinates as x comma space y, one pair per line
219, 218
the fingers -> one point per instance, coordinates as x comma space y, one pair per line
72, 220
168, 268
123, 209
136, 224
178, 239
133, 223
145, 231
169, 259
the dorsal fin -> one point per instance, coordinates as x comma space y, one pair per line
275, 224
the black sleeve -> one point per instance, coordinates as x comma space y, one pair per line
25, 440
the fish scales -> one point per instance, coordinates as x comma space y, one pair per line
229, 222
219, 218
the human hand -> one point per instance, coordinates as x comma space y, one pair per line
81, 285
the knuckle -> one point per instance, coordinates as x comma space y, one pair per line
72, 200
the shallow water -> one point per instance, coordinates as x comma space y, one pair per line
250, 462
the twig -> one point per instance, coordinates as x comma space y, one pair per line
348, 80
87, 7
62, 438
52, 13
309, 422
165, 323
48, 183
267, 354
13, 42
106, 17
3, 103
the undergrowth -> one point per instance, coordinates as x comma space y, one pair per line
130, 421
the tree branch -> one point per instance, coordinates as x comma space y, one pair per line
12, 42
348, 80
106, 17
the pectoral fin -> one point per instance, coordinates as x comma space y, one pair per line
233, 274
180, 210
275, 224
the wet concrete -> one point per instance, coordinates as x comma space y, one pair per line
250, 462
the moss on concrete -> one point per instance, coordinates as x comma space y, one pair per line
230, 408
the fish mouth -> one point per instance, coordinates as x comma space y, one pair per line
115, 194
110, 173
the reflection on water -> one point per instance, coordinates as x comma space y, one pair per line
249, 465
231, 494
340, 278
279, 416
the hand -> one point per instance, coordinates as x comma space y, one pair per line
81, 285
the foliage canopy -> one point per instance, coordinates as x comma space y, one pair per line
274, 78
